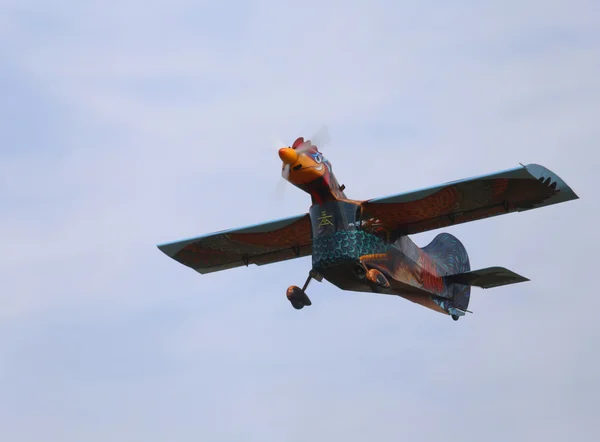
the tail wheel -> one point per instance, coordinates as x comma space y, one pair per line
455, 317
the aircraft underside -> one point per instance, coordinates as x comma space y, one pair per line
359, 276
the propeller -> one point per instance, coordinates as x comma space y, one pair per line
285, 172
279, 192
319, 139
280, 189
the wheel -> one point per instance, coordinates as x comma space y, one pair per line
297, 297
298, 305
455, 317
305, 299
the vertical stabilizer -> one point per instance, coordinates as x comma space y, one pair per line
452, 258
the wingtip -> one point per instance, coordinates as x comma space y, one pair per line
566, 192
165, 249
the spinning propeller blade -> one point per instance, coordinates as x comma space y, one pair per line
285, 173
319, 139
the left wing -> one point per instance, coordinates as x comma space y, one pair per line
260, 244
523, 188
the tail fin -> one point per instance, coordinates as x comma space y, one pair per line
452, 258
487, 278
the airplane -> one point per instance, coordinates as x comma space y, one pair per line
364, 246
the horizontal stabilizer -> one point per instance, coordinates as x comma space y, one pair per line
487, 278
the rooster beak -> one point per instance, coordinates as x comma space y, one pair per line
288, 155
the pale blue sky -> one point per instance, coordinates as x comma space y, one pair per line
126, 126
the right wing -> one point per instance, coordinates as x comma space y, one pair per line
514, 190
261, 244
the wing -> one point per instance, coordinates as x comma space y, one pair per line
260, 244
471, 199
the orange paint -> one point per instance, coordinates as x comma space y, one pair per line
431, 280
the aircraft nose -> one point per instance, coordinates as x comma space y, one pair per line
288, 155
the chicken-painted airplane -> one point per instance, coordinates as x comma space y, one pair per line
364, 245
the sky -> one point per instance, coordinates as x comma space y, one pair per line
131, 124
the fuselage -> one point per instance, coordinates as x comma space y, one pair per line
346, 242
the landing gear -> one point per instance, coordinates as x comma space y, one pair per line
297, 296
455, 317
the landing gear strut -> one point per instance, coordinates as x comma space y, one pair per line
297, 296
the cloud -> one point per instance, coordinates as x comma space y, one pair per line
133, 124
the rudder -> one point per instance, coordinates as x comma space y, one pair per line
452, 258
